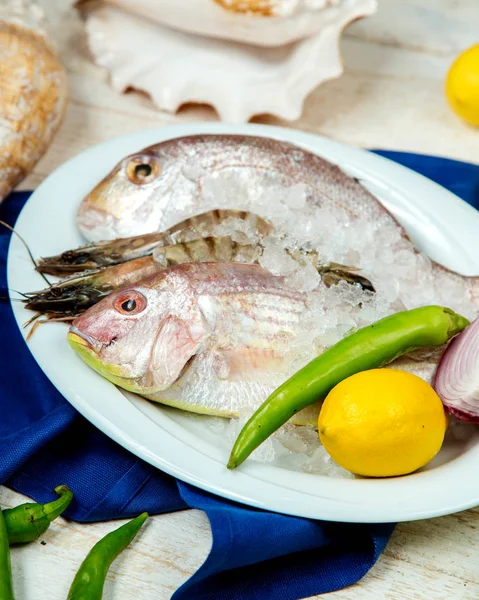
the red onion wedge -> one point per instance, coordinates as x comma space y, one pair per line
457, 376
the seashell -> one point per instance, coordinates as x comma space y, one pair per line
257, 22
33, 96
240, 81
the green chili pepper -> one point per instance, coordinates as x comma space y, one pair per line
89, 581
6, 586
27, 522
368, 348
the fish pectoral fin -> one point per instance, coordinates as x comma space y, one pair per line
248, 364
177, 343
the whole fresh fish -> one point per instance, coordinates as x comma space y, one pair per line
152, 190
211, 338
156, 188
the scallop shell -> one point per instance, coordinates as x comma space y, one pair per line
33, 96
240, 81
257, 22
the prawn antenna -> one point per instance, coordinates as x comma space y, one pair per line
26, 296
27, 248
5, 295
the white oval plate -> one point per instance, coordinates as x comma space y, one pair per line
181, 444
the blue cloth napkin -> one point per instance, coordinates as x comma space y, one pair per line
255, 554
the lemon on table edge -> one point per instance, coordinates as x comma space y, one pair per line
462, 85
382, 423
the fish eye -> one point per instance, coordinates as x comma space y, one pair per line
143, 169
130, 303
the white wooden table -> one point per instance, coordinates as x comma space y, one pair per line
391, 96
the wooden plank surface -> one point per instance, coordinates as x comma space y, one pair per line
390, 96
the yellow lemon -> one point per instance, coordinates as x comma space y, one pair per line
462, 85
382, 422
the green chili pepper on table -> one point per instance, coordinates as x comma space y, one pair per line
27, 522
89, 581
368, 348
6, 587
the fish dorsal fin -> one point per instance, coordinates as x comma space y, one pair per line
176, 343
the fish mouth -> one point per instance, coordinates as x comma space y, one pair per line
78, 338
89, 351
96, 223
86, 348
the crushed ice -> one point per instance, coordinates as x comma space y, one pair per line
403, 277
291, 447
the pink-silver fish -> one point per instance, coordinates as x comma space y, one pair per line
211, 338
155, 188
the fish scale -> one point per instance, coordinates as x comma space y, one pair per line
257, 318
